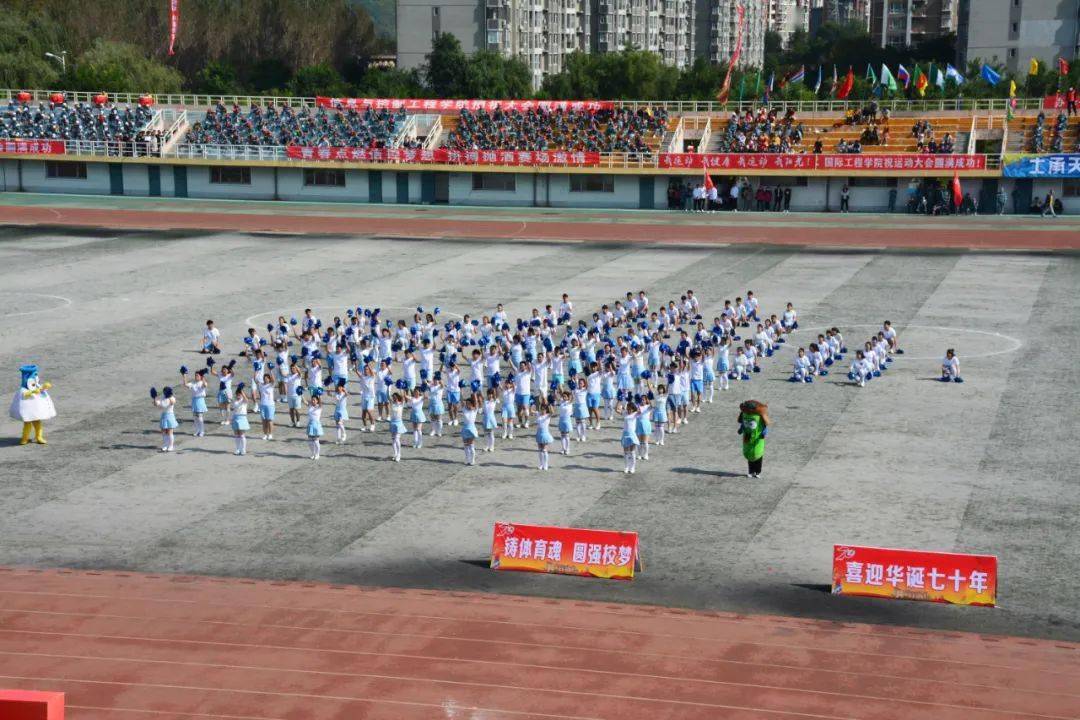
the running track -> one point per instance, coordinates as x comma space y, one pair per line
877, 231
135, 646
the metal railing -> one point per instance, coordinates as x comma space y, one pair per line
200, 100
434, 136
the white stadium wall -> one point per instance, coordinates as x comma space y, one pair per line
457, 188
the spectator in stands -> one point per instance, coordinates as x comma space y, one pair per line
845, 199
58, 121
1070, 101
736, 188
286, 126
762, 131
787, 199
1038, 134
618, 130
818, 147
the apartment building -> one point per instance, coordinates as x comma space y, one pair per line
901, 23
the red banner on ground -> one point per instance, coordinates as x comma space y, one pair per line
565, 551
446, 156
33, 147
780, 161
915, 575
441, 105
31, 705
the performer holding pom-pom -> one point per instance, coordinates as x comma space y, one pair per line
32, 405
167, 403
950, 367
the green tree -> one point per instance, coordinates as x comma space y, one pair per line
24, 40
217, 78
445, 67
391, 83
702, 81
490, 75
318, 80
121, 67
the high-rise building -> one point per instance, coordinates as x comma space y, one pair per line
842, 12
787, 16
544, 32
717, 30
1012, 32
901, 23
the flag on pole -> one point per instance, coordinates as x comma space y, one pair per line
835, 84
1063, 66
951, 72
921, 81
757, 82
772, 81
957, 191
849, 83
798, 76
1033, 68
708, 178
870, 74
903, 76
174, 23
990, 75
1012, 88
817, 86
725, 89
887, 79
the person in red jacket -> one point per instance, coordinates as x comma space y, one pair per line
1070, 101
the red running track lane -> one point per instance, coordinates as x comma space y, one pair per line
920, 235
137, 646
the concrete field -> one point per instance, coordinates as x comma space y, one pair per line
988, 466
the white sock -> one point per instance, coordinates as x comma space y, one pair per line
540, 454
318, 446
341, 433
418, 438
438, 426
644, 448
660, 431
397, 446
491, 440
627, 454
199, 425
314, 447
632, 459
546, 458
243, 444
566, 444
170, 441
712, 391
236, 442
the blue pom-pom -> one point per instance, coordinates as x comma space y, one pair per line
475, 386
744, 377
292, 321
247, 341
645, 375
419, 308
240, 387
823, 373
318, 324
809, 378
153, 393
262, 342
167, 392
327, 380
183, 370
269, 327
958, 379
461, 383
317, 392
299, 391
437, 310
401, 384
231, 363
757, 369
851, 376
221, 385
877, 373
828, 362
388, 381
793, 378
944, 378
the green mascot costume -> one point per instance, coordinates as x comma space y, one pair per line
754, 428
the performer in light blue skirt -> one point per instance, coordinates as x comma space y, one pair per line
543, 432
314, 422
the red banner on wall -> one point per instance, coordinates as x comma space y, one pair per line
33, 147
1054, 102
439, 105
915, 575
781, 161
446, 156
565, 551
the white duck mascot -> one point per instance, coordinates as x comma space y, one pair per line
32, 404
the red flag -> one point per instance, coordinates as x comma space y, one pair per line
957, 193
174, 23
708, 178
849, 83
1063, 66
725, 89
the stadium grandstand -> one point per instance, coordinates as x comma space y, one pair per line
435, 151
